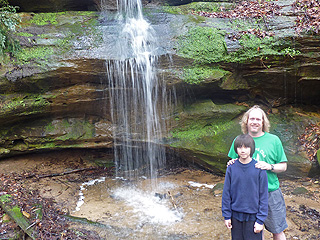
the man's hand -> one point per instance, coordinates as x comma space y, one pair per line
257, 227
228, 223
230, 162
263, 165
278, 168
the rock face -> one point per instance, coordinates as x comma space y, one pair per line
54, 5
55, 95
83, 5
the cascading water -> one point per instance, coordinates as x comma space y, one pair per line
135, 92
144, 208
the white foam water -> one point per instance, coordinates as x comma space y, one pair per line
149, 207
83, 187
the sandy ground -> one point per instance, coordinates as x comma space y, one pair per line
197, 208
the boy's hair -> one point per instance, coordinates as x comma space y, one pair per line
245, 140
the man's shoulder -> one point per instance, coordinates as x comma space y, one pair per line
271, 136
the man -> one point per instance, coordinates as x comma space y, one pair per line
271, 157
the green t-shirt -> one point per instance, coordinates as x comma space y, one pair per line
268, 149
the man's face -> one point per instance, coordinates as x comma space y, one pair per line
255, 123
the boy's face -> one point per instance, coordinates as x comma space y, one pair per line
244, 152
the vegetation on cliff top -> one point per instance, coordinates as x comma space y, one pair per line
252, 39
69, 30
207, 45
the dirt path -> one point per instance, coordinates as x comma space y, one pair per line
200, 205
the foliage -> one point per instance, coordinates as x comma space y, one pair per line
8, 23
195, 7
247, 9
204, 6
310, 140
308, 20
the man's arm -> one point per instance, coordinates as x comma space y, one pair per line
277, 168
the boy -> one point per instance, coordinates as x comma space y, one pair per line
245, 193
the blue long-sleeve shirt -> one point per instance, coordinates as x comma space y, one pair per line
245, 191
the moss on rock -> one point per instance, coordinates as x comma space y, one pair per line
208, 129
198, 74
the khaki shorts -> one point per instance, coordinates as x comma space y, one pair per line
276, 220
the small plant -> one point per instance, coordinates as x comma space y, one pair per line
9, 20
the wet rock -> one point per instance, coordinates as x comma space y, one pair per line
161, 196
307, 183
300, 190
217, 189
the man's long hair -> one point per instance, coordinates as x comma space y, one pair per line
244, 120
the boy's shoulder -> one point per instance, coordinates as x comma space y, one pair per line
254, 161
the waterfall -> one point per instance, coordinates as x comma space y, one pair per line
136, 94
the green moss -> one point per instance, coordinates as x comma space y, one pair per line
20, 105
44, 18
69, 27
107, 163
17, 212
38, 54
204, 6
86, 13
77, 130
24, 34
203, 44
172, 10
49, 127
197, 131
207, 128
253, 47
197, 74
85, 221
4, 151
207, 45
202, 137
72, 129
5, 198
